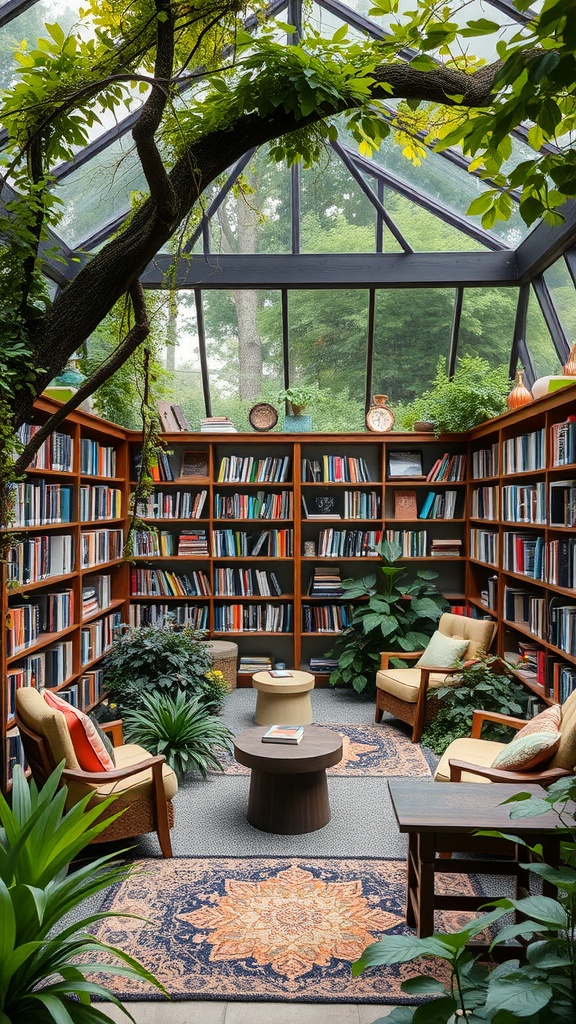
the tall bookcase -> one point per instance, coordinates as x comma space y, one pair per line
243, 522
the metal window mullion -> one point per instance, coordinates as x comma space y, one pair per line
295, 183
353, 170
379, 217
219, 199
285, 341
202, 350
551, 317
455, 332
570, 261
519, 351
370, 349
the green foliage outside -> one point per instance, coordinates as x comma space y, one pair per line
397, 616
180, 728
541, 990
161, 659
480, 685
44, 962
477, 392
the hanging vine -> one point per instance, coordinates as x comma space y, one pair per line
152, 444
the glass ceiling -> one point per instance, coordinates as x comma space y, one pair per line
346, 204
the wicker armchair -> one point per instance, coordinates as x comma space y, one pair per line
403, 691
144, 785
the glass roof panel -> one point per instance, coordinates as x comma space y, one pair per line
423, 231
30, 25
487, 323
539, 342
99, 190
561, 287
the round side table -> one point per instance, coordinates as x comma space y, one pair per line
283, 701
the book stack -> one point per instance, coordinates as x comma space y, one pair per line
325, 582
217, 425
323, 664
448, 468
438, 506
251, 663
283, 734
193, 543
446, 547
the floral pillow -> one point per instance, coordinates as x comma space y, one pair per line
526, 752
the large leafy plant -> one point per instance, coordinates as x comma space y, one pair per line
181, 729
543, 991
161, 659
44, 962
476, 392
482, 684
395, 615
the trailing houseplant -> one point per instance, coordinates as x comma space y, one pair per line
181, 729
161, 658
543, 991
477, 392
43, 961
481, 684
396, 616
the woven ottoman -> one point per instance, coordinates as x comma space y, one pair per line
283, 701
225, 658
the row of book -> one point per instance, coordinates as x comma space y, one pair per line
97, 638
96, 594
235, 543
49, 667
561, 562
160, 468
484, 546
524, 504
37, 503
347, 505
489, 596
170, 505
414, 543
99, 546
38, 558
55, 453
562, 626
247, 469
325, 582
440, 505
524, 553
485, 462
556, 677
485, 503
448, 468
524, 452
253, 618
99, 501
160, 582
348, 543
563, 441
526, 609
246, 583
45, 613
190, 543
97, 459
563, 503
336, 469
261, 505
193, 615
326, 618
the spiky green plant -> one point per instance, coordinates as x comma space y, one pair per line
181, 729
43, 964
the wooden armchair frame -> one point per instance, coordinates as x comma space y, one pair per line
154, 814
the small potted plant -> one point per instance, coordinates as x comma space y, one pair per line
477, 392
299, 396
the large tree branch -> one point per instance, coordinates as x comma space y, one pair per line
136, 335
110, 273
161, 190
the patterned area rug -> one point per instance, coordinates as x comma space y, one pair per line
260, 928
367, 750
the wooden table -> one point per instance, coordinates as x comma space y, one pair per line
442, 818
283, 701
288, 785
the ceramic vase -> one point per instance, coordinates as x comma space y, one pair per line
570, 364
520, 395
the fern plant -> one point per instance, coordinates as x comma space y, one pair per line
181, 729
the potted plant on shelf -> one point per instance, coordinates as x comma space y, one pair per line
397, 616
299, 396
477, 392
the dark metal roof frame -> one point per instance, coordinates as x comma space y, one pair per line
455, 332
551, 317
219, 199
387, 219
519, 350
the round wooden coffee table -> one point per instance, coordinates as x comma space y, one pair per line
283, 701
288, 785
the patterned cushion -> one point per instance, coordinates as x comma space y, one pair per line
525, 752
442, 651
88, 747
547, 721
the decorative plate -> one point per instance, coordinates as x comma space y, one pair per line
263, 416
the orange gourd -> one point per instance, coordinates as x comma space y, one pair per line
520, 394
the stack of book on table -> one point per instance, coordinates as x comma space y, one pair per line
283, 734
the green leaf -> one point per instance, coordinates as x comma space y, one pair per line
513, 994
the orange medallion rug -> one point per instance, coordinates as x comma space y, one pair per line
262, 928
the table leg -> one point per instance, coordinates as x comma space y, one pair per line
288, 804
425, 906
411, 880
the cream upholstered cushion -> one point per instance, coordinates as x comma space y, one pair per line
49, 723
526, 752
404, 683
478, 632
480, 752
442, 651
130, 789
565, 756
